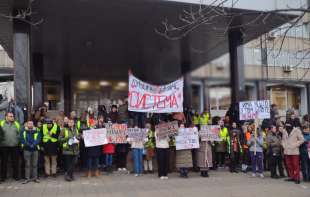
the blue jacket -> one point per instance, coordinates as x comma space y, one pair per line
30, 139
304, 147
259, 143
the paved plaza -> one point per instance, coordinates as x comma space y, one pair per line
220, 184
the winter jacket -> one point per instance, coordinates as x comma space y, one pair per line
291, 142
64, 138
108, 149
259, 143
30, 139
304, 147
274, 143
9, 133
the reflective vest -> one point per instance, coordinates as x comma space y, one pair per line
65, 145
172, 142
150, 139
225, 137
204, 119
17, 125
46, 135
35, 137
78, 125
196, 120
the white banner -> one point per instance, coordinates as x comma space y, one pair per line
250, 110
144, 97
95, 137
187, 138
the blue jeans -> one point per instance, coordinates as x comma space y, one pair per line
257, 160
108, 160
137, 159
92, 163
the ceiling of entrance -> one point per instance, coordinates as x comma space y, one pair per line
103, 39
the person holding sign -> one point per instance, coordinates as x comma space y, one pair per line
204, 155
69, 138
137, 153
162, 151
184, 157
93, 153
256, 144
221, 147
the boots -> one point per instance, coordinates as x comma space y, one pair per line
97, 173
204, 174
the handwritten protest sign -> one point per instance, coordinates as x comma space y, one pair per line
250, 110
187, 138
94, 137
210, 133
116, 133
167, 129
137, 134
144, 97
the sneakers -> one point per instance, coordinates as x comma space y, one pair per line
165, 178
261, 175
26, 181
253, 175
136, 175
161, 178
36, 180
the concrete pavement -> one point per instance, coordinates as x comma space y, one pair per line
220, 184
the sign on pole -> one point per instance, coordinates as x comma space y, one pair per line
250, 110
210, 133
95, 137
144, 97
187, 138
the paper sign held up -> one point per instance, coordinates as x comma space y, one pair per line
250, 110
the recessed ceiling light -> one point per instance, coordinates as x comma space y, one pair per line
104, 83
83, 84
122, 84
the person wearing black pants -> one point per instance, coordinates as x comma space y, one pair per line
162, 153
274, 152
121, 157
14, 154
9, 140
162, 162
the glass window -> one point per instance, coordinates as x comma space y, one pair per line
220, 98
285, 97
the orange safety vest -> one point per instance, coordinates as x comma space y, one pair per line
247, 137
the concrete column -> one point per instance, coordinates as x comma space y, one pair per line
185, 70
21, 53
236, 66
37, 73
261, 90
67, 93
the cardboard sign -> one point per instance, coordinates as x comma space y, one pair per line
250, 110
116, 133
187, 138
144, 97
137, 134
167, 129
95, 137
210, 133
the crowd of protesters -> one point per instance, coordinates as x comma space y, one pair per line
45, 147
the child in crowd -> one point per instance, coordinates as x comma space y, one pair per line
235, 149
149, 149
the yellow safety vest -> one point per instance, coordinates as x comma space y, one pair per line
66, 132
204, 119
46, 136
15, 122
35, 138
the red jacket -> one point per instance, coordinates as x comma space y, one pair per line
108, 149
